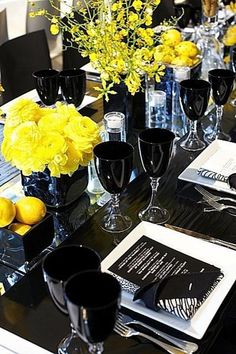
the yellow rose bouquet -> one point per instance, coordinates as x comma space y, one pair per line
116, 36
59, 138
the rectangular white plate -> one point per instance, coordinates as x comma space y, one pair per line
219, 256
219, 156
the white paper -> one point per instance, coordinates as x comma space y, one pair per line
219, 157
221, 163
13, 344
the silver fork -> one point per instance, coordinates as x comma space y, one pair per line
218, 206
189, 347
209, 195
126, 331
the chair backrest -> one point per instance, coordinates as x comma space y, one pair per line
70, 56
3, 26
19, 58
41, 22
164, 11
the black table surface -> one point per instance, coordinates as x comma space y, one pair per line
27, 309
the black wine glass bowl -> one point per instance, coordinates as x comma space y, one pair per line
194, 96
60, 264
93, 300
155, 146
73, 85
47, 85
114, 163
222, 82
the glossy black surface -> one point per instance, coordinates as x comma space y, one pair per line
47, 85
114, 163
27, 309
194, 95
92, 300
73, 85
59, 265
222, 82
155, 147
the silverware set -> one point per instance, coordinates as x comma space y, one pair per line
177, 346
213, 200
124, 330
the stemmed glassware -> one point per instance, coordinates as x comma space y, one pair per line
155, 147
93, 300
58, 266
194, 97
47, 85
73, 85
233, 63
222, 82
114, 162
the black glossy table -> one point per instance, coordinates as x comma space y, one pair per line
27, 310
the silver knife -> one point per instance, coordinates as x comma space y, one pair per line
203, 237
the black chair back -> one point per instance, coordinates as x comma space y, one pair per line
19, 58
71, 56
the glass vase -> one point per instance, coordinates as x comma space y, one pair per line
211, 48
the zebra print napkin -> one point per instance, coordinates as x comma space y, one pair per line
180, 294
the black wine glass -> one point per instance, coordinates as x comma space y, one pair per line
58, 266
47, 85
73, 85
113, 162
155, 147
222, 82
93, 300
194, 98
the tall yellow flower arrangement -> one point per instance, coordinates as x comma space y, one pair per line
116, 36
59, 138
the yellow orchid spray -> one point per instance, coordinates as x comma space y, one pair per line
115, 36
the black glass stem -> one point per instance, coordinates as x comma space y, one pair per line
114, 162
222, 82
47, 85
194, 95
73, 85
93, 300
155, 148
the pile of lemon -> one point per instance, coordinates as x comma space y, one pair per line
175, 51
20, 216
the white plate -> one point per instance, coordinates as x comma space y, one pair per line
220, 157
221, 257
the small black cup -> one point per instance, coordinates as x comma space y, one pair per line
73, 85
47, 85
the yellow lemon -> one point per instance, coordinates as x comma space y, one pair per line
30, 210
163, 54
19, 228
171, 37
182, 61
187, 48
7, 211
